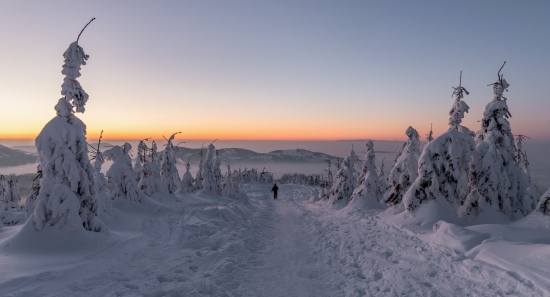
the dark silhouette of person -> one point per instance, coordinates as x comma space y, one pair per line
274, 190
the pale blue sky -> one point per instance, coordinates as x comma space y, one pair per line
306, 69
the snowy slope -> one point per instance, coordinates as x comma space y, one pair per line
14, 157
210, 246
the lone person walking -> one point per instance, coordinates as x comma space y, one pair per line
274, 190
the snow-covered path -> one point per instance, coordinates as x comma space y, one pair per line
288, 266
284, 247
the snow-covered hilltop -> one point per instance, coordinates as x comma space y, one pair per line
240, 155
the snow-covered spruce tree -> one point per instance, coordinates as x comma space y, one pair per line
458, 110
327, 182
430, 135
198, 177
169, 174
140, 159
211, 184
150, 181
521, 156
368, 193
382, 179
344, 182
99, 178
187, 179
531, 192
154, 153
218, 172
120, 176
265, 177
67, 192
10, 212
229, 189
10, 199
443, 166
544, 203
405, 168
32, 196
497, 181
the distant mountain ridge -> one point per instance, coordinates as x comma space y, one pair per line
239, 155
14, 157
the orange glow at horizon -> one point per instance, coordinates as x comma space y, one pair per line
269, 134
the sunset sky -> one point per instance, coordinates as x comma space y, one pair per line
286, 70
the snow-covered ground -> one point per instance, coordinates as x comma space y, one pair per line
211, 246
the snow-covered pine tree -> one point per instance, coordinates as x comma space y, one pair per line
168, 172
120, 176
443, 165
405, 168
10, 199
344, 182
496, 179
198, 177
368, 193
187, 179
210, 183
32, 196
67, 193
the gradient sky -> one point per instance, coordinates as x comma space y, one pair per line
274, 69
